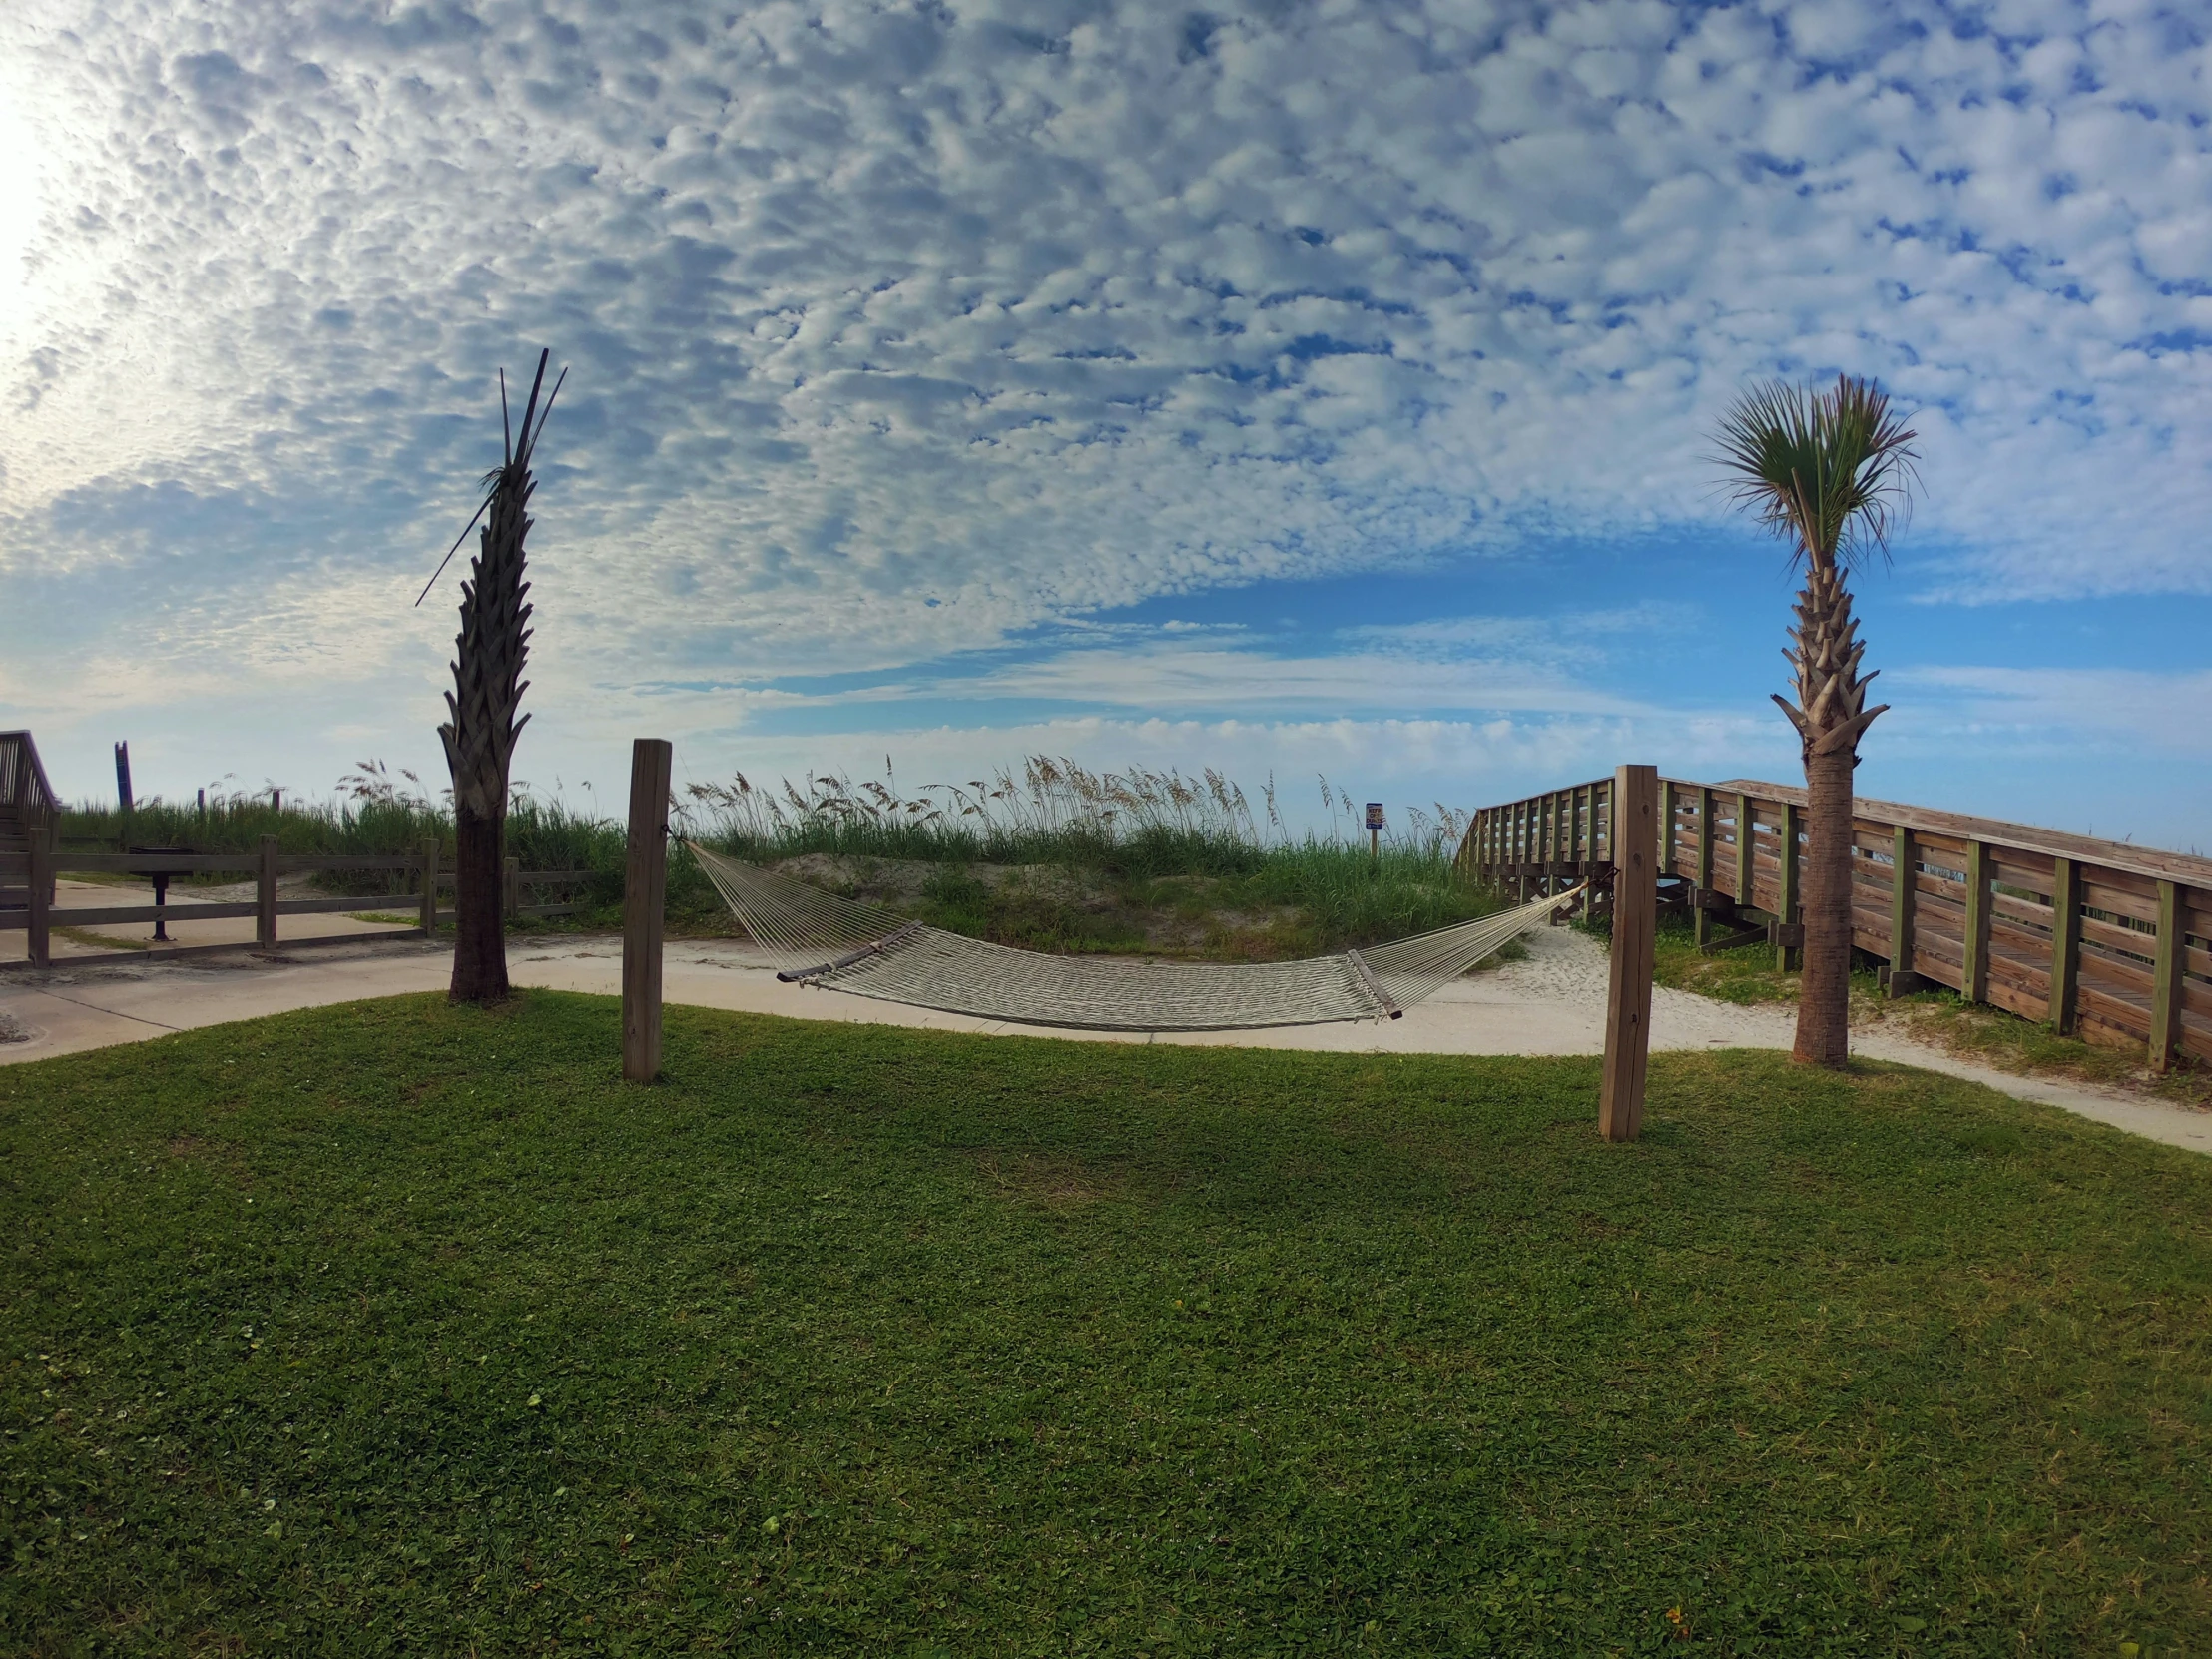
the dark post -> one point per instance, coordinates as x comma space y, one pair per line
41, 895
265, 896
1635, 846
644, 897
429, 886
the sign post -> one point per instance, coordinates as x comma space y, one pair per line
1375, 833
644, 897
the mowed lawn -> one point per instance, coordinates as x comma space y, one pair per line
396, 1327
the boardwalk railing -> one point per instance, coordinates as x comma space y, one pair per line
426, 895
2097, 938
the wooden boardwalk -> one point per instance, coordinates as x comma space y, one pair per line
2099, 938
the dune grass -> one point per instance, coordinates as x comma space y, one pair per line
1171, 864
405, 1327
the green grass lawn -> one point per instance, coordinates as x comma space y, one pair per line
398, 1328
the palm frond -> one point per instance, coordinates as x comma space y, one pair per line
1832, 472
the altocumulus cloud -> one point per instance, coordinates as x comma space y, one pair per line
900, 329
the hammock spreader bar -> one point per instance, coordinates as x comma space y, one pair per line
849, 946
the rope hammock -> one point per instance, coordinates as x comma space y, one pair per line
849, 946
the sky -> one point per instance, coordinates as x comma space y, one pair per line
1291, 388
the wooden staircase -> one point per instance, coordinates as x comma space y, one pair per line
27, 812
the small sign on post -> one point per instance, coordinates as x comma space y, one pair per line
1375, 832
644, 896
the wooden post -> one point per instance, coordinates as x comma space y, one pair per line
265, 896
2165, 979
1704, 921
511, 896
644, 897
1746, 893
1666, 828
2065, 944
1905, 863
1786, 957
1620, 1111
1975, 987
429, 886
41, 895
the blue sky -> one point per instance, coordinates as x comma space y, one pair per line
1296, 388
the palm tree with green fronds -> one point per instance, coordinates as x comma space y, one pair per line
1832, 473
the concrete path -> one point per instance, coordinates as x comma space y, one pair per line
1552, 1003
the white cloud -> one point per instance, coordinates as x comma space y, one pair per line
897, 330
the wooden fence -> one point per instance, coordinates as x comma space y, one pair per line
30, 908
2097, 938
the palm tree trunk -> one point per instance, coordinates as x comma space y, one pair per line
480, 922
1828, 714
1824, 993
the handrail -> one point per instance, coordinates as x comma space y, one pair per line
2100, 938
23, 781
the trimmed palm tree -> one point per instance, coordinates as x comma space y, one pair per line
1831, 472
487, 690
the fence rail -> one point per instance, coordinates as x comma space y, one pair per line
2097, 938
27, 894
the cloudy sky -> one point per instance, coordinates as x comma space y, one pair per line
1305, 388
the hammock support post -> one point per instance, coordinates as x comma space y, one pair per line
1635, 850
644, 899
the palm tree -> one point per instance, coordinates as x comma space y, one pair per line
488, 689
1832, 473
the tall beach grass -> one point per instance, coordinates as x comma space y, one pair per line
1133, 830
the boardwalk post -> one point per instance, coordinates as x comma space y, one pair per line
1666, 828
429, 886
41, 895
1787, 957
644, 897
2165, 989
1747, 897
1974, 974
1620, 1112
1703, 863
2065, 944
1905, 865
265, 896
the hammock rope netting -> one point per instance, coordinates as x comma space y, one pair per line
819, 938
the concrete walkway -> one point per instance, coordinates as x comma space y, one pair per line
1552, 1003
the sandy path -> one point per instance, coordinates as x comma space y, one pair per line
1552, 1003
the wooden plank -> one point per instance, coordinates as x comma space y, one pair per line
1904, 856
2165, 1003
265, 892
2101, 892
2013, 868
1936, 969
644, 901
1666, 829
2106, 935
2117, 1013
1635, 923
